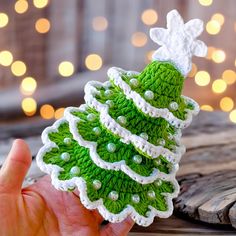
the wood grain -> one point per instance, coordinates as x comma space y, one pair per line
207, 198
207, 175
179, 226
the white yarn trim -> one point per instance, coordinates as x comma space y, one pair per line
80, 183
114, 73
125, 135
121, 165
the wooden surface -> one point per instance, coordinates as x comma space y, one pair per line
208, 198
210, 156
178, 226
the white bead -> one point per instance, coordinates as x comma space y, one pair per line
157, 162
134, 83
75, 170
148, 213
122, 120
144, 136
97, 184
65, 156
161, 142
113, 195
110, 103
111, 147
158, 182
97, 130
137, 159
91, 117
108, 93
151, 194
173, 148
169, 166
149, 95
173, 106
135, 198
67, 141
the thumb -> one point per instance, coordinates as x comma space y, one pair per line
120, 229
15, 167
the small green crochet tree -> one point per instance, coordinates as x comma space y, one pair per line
122, 148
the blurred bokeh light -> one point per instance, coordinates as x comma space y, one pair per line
6, 58
29, 106
100, 23
45, 41
149, 16
21, 6
18, 68
66, 68
28, 86
47, 111
42, 25
3, 19
93, 62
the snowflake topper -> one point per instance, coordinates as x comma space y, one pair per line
178, 42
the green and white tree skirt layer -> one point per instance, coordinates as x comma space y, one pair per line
122, 148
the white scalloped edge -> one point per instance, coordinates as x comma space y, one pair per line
147, 108
79, 182
126, 136
121, 165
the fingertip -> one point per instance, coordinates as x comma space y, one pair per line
15, 167
20, 152
20, 143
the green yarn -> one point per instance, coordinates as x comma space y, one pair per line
123, 151
166, 82
111, 180
137, 122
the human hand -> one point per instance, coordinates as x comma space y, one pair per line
40, 209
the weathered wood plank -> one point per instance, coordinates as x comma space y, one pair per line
232, 215
177, 226
206, 160
207, 198
206, 195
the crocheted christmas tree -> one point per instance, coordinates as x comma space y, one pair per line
121, 149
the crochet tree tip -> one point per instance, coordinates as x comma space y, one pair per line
121, 148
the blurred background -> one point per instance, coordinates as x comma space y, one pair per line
49, 49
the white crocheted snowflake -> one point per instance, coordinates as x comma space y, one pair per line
178, 42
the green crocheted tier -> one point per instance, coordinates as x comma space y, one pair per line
122, 148
166, 84
93, 131
120, 106
101, 183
